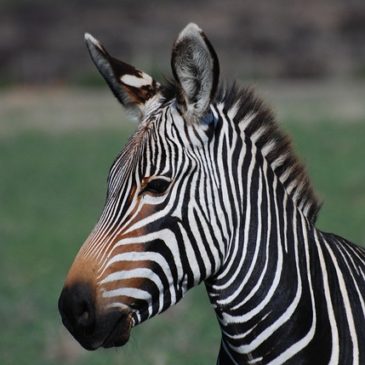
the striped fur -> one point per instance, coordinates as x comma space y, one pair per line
223, 199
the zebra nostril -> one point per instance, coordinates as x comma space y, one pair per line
82, 314
76, 308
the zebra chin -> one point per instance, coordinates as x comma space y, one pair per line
91, 327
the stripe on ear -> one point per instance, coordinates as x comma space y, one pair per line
132, 87
195, 67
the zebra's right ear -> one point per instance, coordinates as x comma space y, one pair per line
196, 70
132, 87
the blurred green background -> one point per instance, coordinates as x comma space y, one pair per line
60, 129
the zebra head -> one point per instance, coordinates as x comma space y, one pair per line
155, 238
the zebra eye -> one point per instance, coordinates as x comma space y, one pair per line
157, 186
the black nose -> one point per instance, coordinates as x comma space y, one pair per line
76, 306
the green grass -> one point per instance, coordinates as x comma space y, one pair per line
52, 189
334, 154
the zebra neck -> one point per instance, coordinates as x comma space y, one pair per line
262, 306
258, 290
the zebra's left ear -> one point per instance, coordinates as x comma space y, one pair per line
196, 69
132, 87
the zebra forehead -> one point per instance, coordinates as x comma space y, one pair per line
131, 155
138, 140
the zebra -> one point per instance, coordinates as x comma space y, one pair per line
209, 189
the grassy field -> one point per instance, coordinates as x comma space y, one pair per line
52, 187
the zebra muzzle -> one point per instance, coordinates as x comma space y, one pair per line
91, 329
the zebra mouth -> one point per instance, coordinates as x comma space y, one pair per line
120, 332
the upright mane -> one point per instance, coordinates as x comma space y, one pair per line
258, 123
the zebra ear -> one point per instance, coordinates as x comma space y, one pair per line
132, 87
195, 67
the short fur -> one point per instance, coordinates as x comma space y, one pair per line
246, 102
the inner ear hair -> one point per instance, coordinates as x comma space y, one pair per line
195, 67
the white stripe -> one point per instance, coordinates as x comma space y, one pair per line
327, 294
136, 81
347, 305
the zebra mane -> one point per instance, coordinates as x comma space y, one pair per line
258, 123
